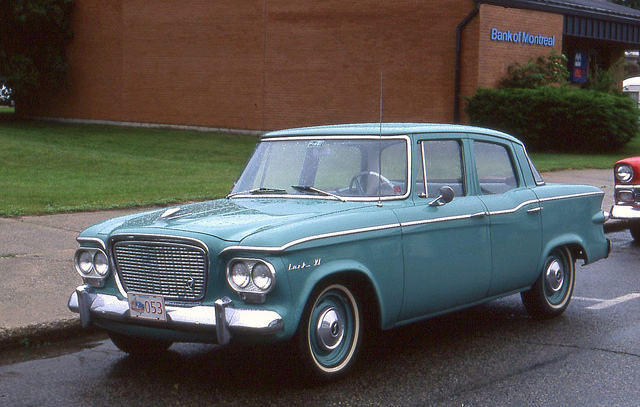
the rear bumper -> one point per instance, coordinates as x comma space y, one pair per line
222, 320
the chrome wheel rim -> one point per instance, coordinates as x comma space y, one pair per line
555, 276
333, 329
330, 329
558, 278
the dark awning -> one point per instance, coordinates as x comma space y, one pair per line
596, 19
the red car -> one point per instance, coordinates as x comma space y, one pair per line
627, 194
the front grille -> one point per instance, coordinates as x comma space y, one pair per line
175, 270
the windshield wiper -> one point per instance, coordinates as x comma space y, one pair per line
317, 191
260, 190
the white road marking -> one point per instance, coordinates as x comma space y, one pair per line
601, 304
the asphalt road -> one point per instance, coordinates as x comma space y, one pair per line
490, 355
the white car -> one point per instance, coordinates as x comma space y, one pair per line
5, 96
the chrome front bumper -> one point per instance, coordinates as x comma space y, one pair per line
223, 318
624, 212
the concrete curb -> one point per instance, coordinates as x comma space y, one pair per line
35, 335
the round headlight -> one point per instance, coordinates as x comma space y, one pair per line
262, 276
624, 173
101, 263
84, 261
240, 275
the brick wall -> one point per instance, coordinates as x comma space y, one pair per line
260, 64
495, 57
324, 60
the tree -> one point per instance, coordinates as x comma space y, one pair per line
629, 3
33, 39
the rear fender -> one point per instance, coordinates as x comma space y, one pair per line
574, 242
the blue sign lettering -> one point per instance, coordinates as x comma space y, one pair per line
522, 37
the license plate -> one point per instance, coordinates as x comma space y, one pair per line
146, 306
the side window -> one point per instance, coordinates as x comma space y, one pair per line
494, 168
441, 165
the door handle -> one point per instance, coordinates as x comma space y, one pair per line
534, 210
478, 215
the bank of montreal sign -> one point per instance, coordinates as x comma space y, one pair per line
522, 37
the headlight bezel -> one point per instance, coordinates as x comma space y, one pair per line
251, 291
624, 173
92, 264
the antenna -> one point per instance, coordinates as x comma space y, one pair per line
381, 104
380, 148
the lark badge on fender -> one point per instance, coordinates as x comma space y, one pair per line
332, 230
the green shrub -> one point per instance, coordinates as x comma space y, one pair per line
549, 70
561, 119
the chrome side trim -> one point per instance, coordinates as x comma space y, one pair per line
93, 306
556, 198
445, 219
514, 210
533, 201
311, 238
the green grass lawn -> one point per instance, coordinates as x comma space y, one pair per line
555, 162
54, 167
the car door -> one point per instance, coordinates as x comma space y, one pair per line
514, 217
446, 247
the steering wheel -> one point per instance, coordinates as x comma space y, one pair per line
356, 183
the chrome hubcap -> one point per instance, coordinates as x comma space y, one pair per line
555, 276
330, 329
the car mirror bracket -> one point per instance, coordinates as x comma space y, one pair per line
445, 195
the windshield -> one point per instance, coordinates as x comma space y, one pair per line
332, 168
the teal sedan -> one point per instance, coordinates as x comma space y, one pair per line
332, 232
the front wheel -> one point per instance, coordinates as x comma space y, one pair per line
330, 332
551, 293
135, 346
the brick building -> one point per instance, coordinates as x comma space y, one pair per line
258, 64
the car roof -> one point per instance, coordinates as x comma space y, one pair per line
386, 129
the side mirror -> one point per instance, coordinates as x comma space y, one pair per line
445, 195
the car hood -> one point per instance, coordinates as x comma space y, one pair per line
231, 220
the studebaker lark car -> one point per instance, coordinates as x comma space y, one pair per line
331, 230
627, 194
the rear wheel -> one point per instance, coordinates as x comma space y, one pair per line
551, 293
330, 333
138, 346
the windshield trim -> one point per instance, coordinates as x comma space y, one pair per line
407, 194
